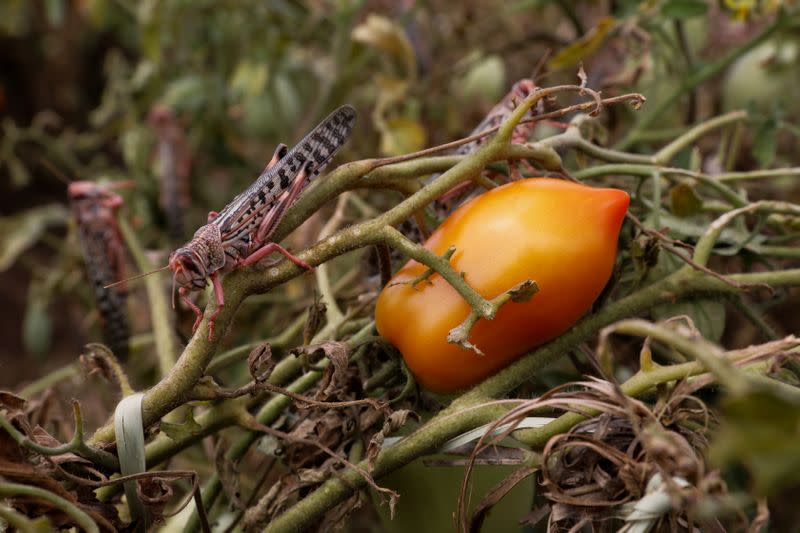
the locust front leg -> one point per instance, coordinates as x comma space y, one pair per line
184, 294
220, 299
219, 296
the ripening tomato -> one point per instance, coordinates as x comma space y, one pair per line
560, 234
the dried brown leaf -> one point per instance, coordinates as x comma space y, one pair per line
261, 363
228, 473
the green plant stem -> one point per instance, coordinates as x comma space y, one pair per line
630, 169
83, 520
49, 380
159, 310
668, 153
790, 172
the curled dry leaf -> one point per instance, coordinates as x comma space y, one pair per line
335, 377
393, 422
316, 315
260, 362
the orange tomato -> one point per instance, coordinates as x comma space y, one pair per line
560, 234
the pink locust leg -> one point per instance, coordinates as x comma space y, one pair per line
197, 312
220, 298
267, 249
271, 221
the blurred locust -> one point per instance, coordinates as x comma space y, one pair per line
239, 235
174, 163
446, 203
95, 210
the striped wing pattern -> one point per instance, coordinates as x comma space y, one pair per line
243, 215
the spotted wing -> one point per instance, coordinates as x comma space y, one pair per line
317, 148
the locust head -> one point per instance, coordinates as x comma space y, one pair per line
188, 269
193, 263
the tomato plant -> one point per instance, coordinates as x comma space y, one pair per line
560, 234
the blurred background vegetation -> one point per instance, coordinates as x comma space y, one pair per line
79, 80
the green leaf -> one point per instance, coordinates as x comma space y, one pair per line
684, 9
20, 176
401, 136
37, 327
21, 231
684, 201
765, 143
708, 316
761, 431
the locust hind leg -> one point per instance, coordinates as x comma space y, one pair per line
261, 248
267, 249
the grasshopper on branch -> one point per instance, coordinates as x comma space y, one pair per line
95, 209
239, 235
462, 192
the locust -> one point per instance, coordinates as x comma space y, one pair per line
443, 205
95, 210
239, 235
174, 162
417, 229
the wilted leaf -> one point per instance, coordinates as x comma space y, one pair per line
382, 33
390, 90
260, 362
249, 78
761, 431
401, 136
684, 9
394, 422
19, 232
316, 314
336, 374
583, 47
182, 431
684, 200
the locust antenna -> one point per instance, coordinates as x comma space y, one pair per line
173, 291
120, 282
55, 171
